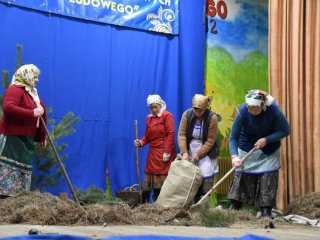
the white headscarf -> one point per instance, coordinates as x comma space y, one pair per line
259, 98
24, 76
156, 99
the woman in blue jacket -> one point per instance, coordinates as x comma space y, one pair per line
259, 123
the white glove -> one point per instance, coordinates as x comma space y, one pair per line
166, 157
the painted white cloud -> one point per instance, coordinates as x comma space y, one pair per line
234, 9
253, 35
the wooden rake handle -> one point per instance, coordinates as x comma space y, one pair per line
60, 162
223, 178
137, 163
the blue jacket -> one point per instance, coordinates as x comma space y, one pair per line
247, 129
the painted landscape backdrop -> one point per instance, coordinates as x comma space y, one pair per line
237, 57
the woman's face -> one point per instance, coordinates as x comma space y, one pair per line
35, 79
254, 110
155, 108
198, 112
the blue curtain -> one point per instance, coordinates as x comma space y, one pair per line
103, 74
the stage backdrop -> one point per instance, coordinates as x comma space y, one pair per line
236, 61
104, 73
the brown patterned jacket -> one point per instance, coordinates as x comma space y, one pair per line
207, 145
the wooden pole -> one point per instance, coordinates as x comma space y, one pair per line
137, 163
60, 162
222, 179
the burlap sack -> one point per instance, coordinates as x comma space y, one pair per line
180, 186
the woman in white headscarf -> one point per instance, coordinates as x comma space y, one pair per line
20, 128
160, 135
259, 123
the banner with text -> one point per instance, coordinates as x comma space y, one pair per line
152, 15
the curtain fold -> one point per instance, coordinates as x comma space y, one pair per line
294, 69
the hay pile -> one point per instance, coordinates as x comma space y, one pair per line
45, 209
38, 208
308, 206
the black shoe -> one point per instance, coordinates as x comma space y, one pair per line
235, 205
232, 207
4, 196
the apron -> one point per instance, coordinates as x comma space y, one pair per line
208, 166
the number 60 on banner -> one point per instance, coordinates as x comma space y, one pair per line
213, 9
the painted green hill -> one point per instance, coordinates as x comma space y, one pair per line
229, 81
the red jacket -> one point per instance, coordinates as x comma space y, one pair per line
160, 135
17, 118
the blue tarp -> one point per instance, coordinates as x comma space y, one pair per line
104, 73
134, 237
153, 237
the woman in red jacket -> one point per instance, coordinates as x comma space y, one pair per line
160, 135
20, 128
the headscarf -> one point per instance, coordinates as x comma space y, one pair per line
201, 101
24, 76
259, 98
157, 100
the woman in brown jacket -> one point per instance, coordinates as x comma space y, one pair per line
197, 139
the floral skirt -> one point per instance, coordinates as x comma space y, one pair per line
16, 153
259, 190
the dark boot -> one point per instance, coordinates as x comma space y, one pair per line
197, 197
266, 211
235, 205
156, 192
4, 196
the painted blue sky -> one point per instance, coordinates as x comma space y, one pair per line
244, 30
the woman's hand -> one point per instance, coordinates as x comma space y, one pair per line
195, 158
137, 143
44, 143
185, 156
236, 161
261, 143
37, 112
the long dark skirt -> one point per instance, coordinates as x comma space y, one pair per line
207, 184
16, 153
259, 190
